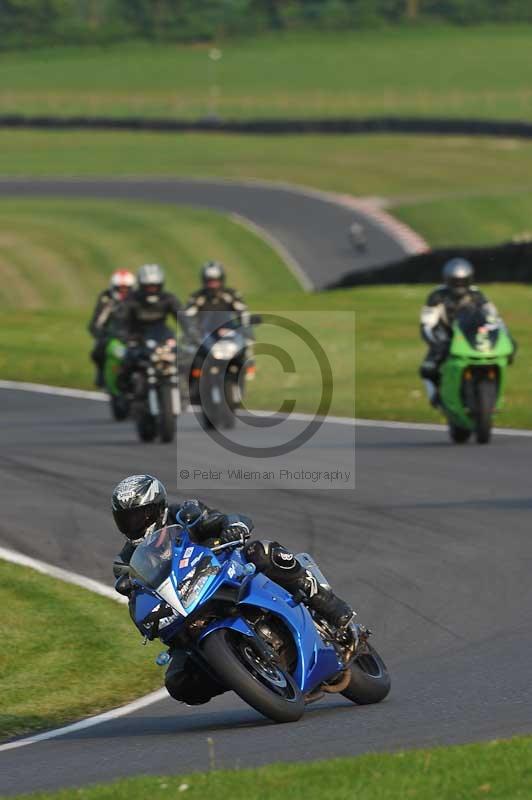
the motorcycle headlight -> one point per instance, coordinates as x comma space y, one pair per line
224, 350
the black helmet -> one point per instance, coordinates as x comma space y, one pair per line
150, 279
458, 275
212, 275
140, 505
190, 513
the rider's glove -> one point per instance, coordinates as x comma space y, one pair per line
124, 585
236, 531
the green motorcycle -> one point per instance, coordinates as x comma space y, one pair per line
473, 376
115, 351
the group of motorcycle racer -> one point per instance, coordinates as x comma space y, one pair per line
132, 304
139, 502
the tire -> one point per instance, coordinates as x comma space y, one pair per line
119, 408
167, 421
233, 659
459, 435
486, 399
370, 681
147, 428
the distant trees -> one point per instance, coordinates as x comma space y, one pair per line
28, 22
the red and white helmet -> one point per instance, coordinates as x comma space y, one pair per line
121, 283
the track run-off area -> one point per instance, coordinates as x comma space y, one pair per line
432, 548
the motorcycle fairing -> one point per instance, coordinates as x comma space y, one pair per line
316, 661
492, 350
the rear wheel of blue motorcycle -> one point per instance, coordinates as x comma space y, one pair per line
370, 681
262, 685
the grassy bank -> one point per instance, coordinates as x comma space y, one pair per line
60, 253
476, 220
64, 647
499, 770
430, 70
52, 347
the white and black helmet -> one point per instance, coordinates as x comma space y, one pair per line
458, 275
212, 271
140, 505
150, 278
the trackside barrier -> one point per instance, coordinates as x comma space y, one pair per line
391, 125
511, 262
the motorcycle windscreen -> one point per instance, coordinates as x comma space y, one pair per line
151, 562
478, 330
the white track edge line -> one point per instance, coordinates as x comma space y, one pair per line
90, 722
350, 421
97, 588
278, 247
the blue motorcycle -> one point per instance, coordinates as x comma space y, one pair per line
243, 632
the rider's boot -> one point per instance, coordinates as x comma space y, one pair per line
333, 610
433, 393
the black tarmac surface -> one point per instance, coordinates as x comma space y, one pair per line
433, 548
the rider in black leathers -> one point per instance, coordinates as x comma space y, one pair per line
147, 309
439, 313
214, 295
140, 506
150, 305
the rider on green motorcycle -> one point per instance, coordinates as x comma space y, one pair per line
107, 319
439, 313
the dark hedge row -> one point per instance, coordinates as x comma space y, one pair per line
435, 126
506, 263
29, 22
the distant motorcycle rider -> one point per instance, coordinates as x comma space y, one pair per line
148, 308
215, 296
150, 304
439, 313
108, 317
140, 506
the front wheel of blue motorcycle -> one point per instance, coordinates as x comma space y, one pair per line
370, 681
261, 683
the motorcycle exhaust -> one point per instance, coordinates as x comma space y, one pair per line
340, 685
153, 402
176, 402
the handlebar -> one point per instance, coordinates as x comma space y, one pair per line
226, 545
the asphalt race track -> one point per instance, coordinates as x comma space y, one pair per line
311, 229
433, 548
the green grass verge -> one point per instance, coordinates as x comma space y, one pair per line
51, 346
499, 770
416, 71
60, 253
476, 220
68, 649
